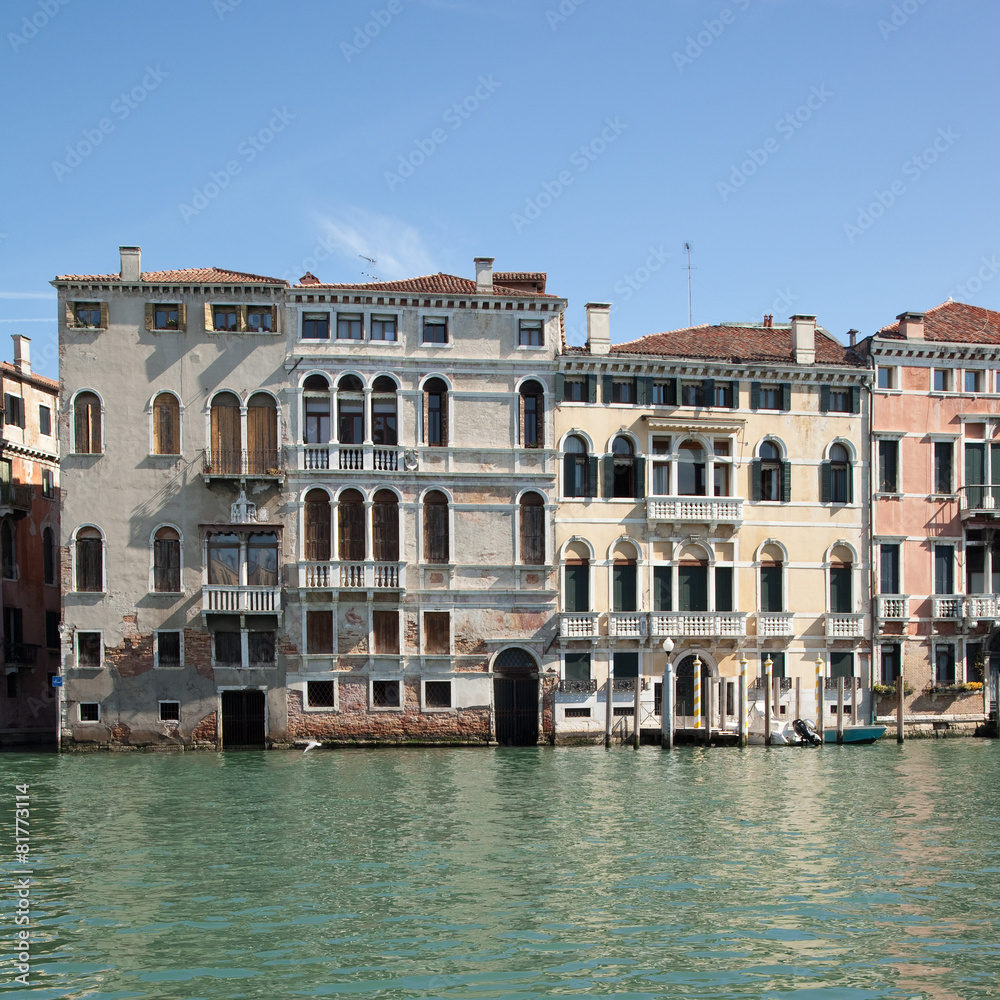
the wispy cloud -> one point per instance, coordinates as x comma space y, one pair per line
27, 295
48, 319
397, 246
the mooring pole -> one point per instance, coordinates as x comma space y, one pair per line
768, 667
697, 692
899, 708
840, 709
637, 709
609, 714
819, 698
743, 701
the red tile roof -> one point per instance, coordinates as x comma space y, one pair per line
954, 322
40, 380
431, 284
190, 276
736, 344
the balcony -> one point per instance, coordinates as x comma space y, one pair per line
349, 457
772, 623
947, 607
713, 624
241, 600
15, 499
576, 685
257, 464
979, 501
367, 575
627, 625
695, 510
22, 654
573, 625
844, 626
892, 607
986, 606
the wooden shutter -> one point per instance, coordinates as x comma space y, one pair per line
639, 475
105, 319
708, 391
755, 395
824, 399
591, 388
87, 424
319, 632
755, 478
592, 474
386, 629
825, 482
569, 475
644, 391
786, 395
89, 565
181, 316
437, 632
608, 486
532, 530
69, 314
560, 387
855, 399
149, 316
226, 438
435, 532
734, 389
317, 530
385, 529
262, 438
167, 565
351, 536
166, 414
786, 481
209, 318
608, 389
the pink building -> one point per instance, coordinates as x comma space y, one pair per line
935, 508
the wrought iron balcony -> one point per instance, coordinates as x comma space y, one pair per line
240, 600
895, 607
575, 685
20, 653
844, 626
368, 575
15, 498
265, 463
627, 684
979, 501
850, 683
701, 510
715, 624
947, 607
349, 457
775, 623
573, 625
759, 683
627, 624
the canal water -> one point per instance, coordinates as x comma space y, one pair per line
840, 873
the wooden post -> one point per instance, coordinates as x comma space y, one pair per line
636, 710
899, 708
609, 715
697, 692
855, 693
840, 709
667, 708
723, 698
743, 701
768, 667
819, 698
776, 685
709, 697
798, 697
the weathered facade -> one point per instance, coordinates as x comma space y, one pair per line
714, 491
936, 553
332, 507
29, 538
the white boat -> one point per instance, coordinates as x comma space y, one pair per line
783, 732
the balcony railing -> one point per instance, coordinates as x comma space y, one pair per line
850, 683
979, 500
626, 624
892, 606
575, 685
21, 653
349, 457
627, 684
715, 624
263, 463
573, 625
710, 510
16, 496
982, 606
949, 606
239, 600
844, 626
759, 683
367, 575
775, 623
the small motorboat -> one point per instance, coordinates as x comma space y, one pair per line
783, 732
857, 734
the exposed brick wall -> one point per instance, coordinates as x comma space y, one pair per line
548, 686
205, 731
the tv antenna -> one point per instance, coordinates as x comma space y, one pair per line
687, 248
374, 263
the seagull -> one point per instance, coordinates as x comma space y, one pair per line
311, 744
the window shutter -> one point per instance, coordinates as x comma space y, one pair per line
181, 316
786, 481
104, 316
786, 395
824, 399
608, 389
734, 388
569, 468
608, 486
560, 387
591, 490
708, 391
149, 315
673, 392
755, 395
640, 478
591, 388
209, 322
636, 389
755, 474
825, 482
855, 399
645, 391
850, 483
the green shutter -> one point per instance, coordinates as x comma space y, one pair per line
569, 469
723, 588
624, 580
786, 481
663, 588
850, 482
734, 388
755, 471
786, 395
755, 395
825, 482
560, 387
640, 477
855, 399
591, 490
645, 391
591, 388
636, 387
608, 484
824, 399
708, 391
608, 388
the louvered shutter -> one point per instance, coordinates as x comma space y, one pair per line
592, 464
560, 387
608, 389
591, 388
824, 399
855, 399
734, 389
825, 482
755, 395
608, 486
640, 477
708, 391
786, 396
786, 481
755, 477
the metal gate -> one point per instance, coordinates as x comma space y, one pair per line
516, 702
242, 719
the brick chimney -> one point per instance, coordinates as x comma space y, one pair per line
852, 338
484, 275
22, 353
911, 325
804, 339
599, 327
131, 263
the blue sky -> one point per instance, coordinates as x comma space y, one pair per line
835, 157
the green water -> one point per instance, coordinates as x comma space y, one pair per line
843, 872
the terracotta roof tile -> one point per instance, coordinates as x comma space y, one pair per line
191, 276
42, 380
431, 284
954, 322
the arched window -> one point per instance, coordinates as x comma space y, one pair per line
8, 550
317, 526
436, 547
350, 410
532, 402
691, 470
227, 447
532, 529
49, 560
623, 466
384, 411
836, 483
89, 561
87, 424
316, 406
351, 544
435, 412
385, 526
262, 559
624, 580
770, 475
167, 561
262, 434
166, 425
578, 475
576, 578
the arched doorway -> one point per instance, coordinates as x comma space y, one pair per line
515, 698
686, 683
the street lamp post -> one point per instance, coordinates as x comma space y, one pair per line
667, 698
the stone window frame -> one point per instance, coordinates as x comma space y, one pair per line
425, 707
385, 678
156, 648
326, 676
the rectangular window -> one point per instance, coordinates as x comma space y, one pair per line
770, 397
437, 632
319, 694
626, 664
385, 625
941, 379
168, 649
574, 390
48, 484
90, 711
44, 420
13, 407
723, 588
437, 694
88, 649
662, 587
840, 401
891, 663
319, 632
316, 326
944, 663
261, 647
529, 333
973, 381
623, 390
889, 568
384, 328
692, 394
624, 586
166, 317
888, 466
771, 598
841, 664
577, 666
974, 663
170, 711
435, 331
664, 394
349, 327
228, 649
777, 664
944, 453
975, 569
13, 629
576, 595
692, 584
52, 630
944, 569
576, 713
886, 377
87, 314
724, 394
386, 694
225, 319
260, 319
841, 591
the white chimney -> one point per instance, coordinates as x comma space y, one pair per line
484, 275
911, 325
22, 353
131, 263
804, 339
599, 327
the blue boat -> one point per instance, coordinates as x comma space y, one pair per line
855, 734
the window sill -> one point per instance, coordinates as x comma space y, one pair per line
952, 497
523, 347
888, 495
240, 333
85, 454
424, 343
86, 329
426, 710
166, 329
